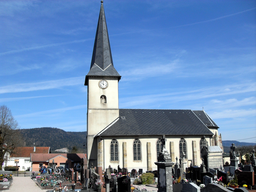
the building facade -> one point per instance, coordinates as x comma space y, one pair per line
131, 138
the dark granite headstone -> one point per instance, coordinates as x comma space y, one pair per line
245, 178
140, 171
124, 184
241, 189
133, 173
223, 175
248, 168
190, 187
207, 180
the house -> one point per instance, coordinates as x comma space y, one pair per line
132, 138
65, 160
21, 157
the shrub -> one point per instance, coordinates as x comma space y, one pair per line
137, 181
11, 168
147, 178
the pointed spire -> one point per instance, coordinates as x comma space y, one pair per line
102, 62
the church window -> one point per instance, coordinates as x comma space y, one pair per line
136, 150
159, 146
183, 148
114, 150
103, 99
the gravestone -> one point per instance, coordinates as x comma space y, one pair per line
245, 177
207, 180
195, 173
252, 158
107, 177
213, 171
133, 173
113, 181
223, 175
124, 184
215, 158
248, 168
233, 156
140, 171
213, 187
204, 155
164, 167
191, 187
241, 189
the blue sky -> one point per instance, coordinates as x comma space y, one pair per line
193, 54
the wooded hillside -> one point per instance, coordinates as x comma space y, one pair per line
54, 138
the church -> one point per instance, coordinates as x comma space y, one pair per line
131, 138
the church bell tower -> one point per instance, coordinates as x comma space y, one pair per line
102, 88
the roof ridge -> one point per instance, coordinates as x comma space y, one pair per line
107, 127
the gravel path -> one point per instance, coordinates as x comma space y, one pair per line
25, 184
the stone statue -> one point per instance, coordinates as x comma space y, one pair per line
163, 142
232, 152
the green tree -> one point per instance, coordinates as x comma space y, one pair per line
9, 136
74, 149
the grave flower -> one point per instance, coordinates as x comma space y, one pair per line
202, 185
98, 183
244, 185
5, 180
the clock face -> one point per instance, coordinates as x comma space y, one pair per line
103, 84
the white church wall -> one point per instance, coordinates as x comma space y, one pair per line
142, 164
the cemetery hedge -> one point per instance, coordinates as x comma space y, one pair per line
147, 178
11, 168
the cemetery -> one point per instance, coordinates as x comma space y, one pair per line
6, 179
211, 175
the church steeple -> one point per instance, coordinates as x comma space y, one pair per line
102, 62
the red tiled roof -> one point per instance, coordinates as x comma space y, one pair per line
43, 157
25, 151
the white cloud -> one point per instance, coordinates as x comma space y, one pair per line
24, 98
44, 85
233, 102
191, 95
151, 70
233, 114
52, 112
43, 46
218, 18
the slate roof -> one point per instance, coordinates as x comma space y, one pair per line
206, 119
214, 149
102, 62
149, 122
25, 151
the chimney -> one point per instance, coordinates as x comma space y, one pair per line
34, 148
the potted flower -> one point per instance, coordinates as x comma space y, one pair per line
234, 182
98, 184
1, 177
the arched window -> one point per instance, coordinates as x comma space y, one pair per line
183, 148
159, 146
114, 150
136, 150
103, 99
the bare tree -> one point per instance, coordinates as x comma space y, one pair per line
9, 136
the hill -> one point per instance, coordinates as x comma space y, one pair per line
57, 138
227, 144
54, 138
